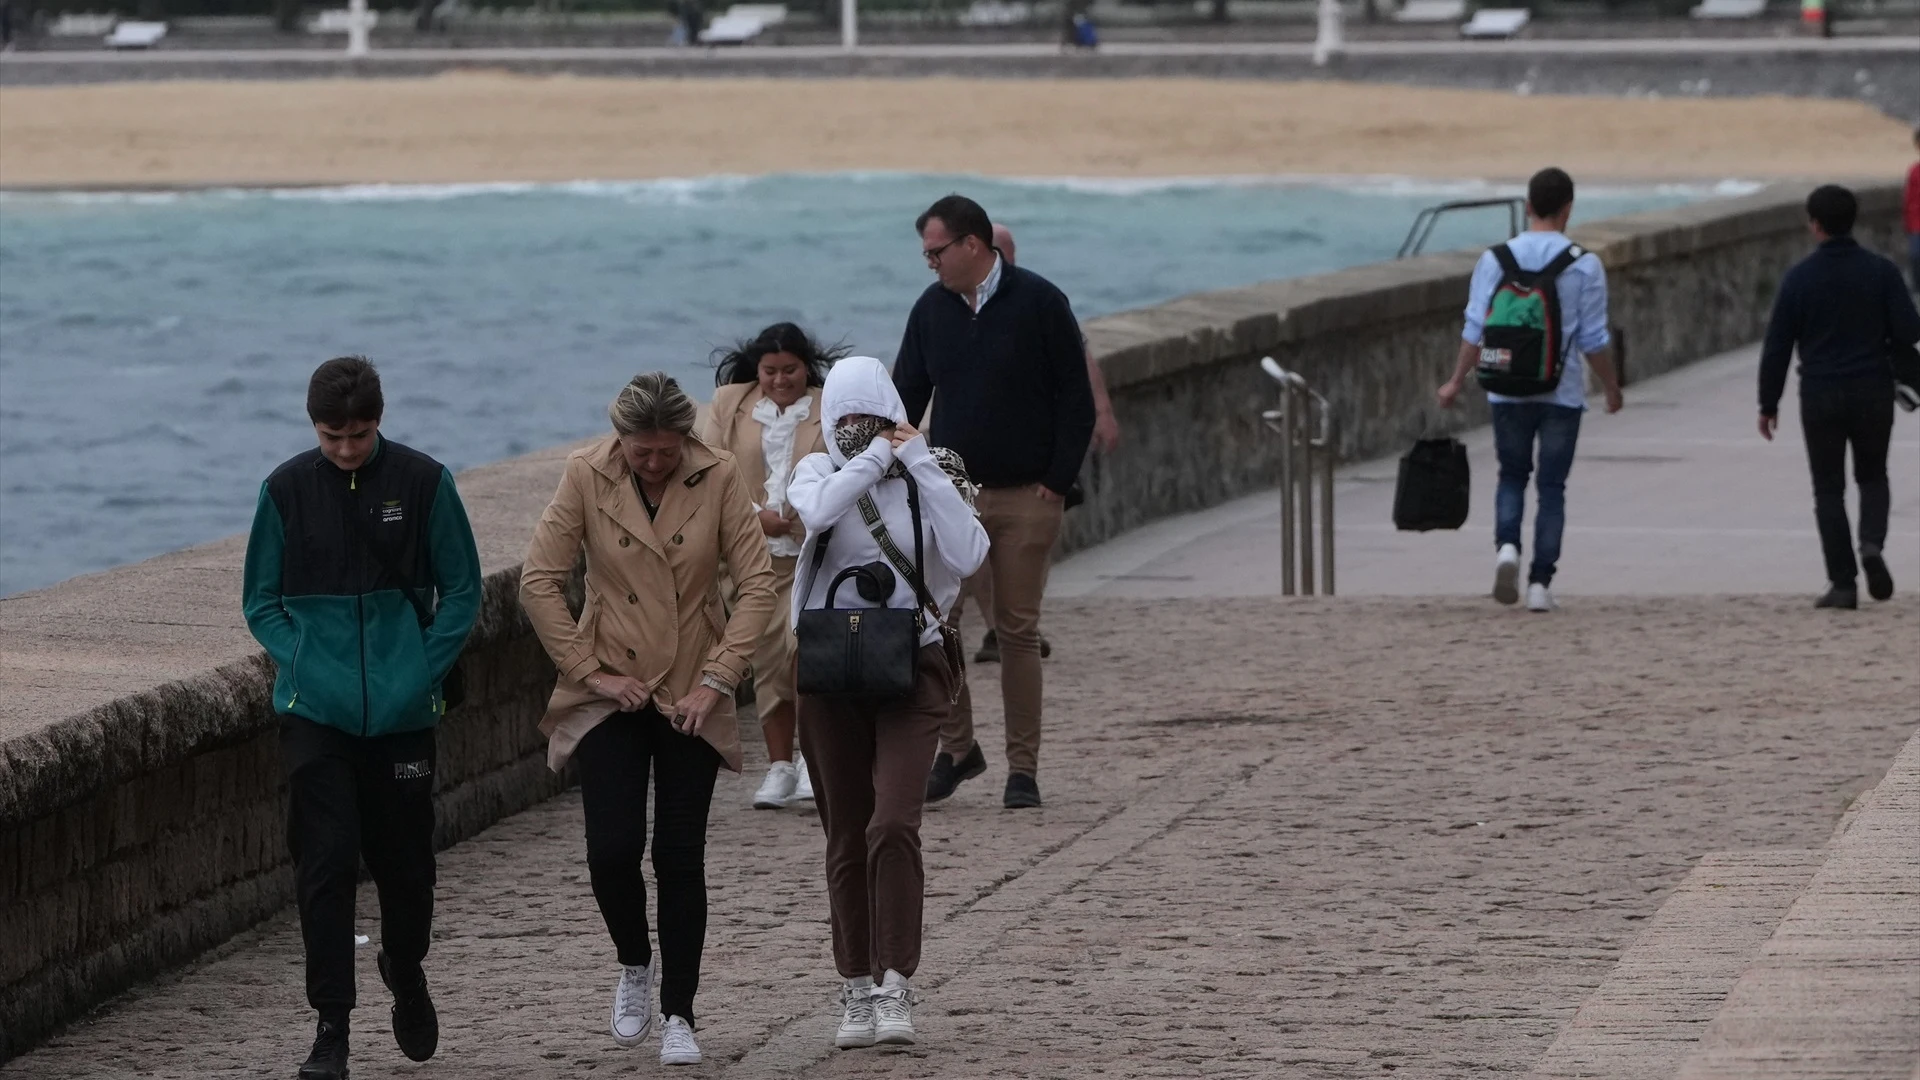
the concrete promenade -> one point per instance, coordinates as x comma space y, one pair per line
1675, 494
1372, 835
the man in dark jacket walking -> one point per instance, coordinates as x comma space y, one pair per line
1001, 346
1846, 309
362, 582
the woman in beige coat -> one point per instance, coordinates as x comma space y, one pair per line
647, 674
767, 413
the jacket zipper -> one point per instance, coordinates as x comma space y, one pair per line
360, 608
293, 674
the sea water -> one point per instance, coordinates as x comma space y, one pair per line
155, 348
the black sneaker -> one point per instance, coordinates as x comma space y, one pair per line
328, 1061
989, 649
416, 1026
1839, 597
1023, 791
947, 774
1879, 578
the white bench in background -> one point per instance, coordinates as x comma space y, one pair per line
1496, 23
742, 23
136, 35
71, 25
1729, 9
1431, 11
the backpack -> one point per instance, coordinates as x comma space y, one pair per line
1521, 348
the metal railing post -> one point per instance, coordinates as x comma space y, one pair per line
1303, 431
1286, 491
1304, 421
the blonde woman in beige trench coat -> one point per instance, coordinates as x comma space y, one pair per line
646, 677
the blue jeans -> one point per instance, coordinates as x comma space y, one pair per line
1516, 427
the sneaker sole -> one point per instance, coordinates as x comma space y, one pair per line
1879, 578
680, 1059
852, 1042
896, 1037
769, 804
629, 1044
1506, 583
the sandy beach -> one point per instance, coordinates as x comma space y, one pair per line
476, 127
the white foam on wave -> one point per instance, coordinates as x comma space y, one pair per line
1364, 184
691, 190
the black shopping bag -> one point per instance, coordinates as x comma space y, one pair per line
1435, 490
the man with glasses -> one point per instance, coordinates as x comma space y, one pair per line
1001, 346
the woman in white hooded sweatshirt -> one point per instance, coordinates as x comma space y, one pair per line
869, 756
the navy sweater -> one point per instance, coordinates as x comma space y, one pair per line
1015, 401
1845, 307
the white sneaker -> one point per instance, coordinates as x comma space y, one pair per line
1540, 598
803, 790
1506, 575
633, 1006
856, 1015
776, 791
893, 1010
676, 1042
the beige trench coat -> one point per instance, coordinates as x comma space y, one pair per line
653, 609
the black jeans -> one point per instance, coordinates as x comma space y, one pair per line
614, 759
351, 798
1834, 416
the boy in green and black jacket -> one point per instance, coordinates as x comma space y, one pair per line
362, 582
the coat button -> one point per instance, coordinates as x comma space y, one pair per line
624, 541
629, 654
632, 599
677, 538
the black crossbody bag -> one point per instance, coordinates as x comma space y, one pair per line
453, 688
866, 652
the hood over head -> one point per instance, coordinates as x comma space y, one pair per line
858, 384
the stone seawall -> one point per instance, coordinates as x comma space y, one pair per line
141, 802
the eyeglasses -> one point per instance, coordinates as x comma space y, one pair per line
933, 254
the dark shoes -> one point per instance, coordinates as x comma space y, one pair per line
1839, 597
990, 649
328, 1061
1879, 578
416, 1026
947, 773
1023, 791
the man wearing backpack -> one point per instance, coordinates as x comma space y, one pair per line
362, 583
1536, 318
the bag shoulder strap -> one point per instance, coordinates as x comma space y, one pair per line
910, 570
1509, 266
813, 568
392, 566
1558, 266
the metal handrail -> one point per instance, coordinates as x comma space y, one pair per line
1305, 423
1423, 224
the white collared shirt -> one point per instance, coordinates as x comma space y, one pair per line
988, 287
779, 429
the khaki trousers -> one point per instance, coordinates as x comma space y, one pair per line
1022, 528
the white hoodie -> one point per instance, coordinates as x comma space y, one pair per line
826, 489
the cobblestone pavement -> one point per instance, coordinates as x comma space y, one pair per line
1381, 837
